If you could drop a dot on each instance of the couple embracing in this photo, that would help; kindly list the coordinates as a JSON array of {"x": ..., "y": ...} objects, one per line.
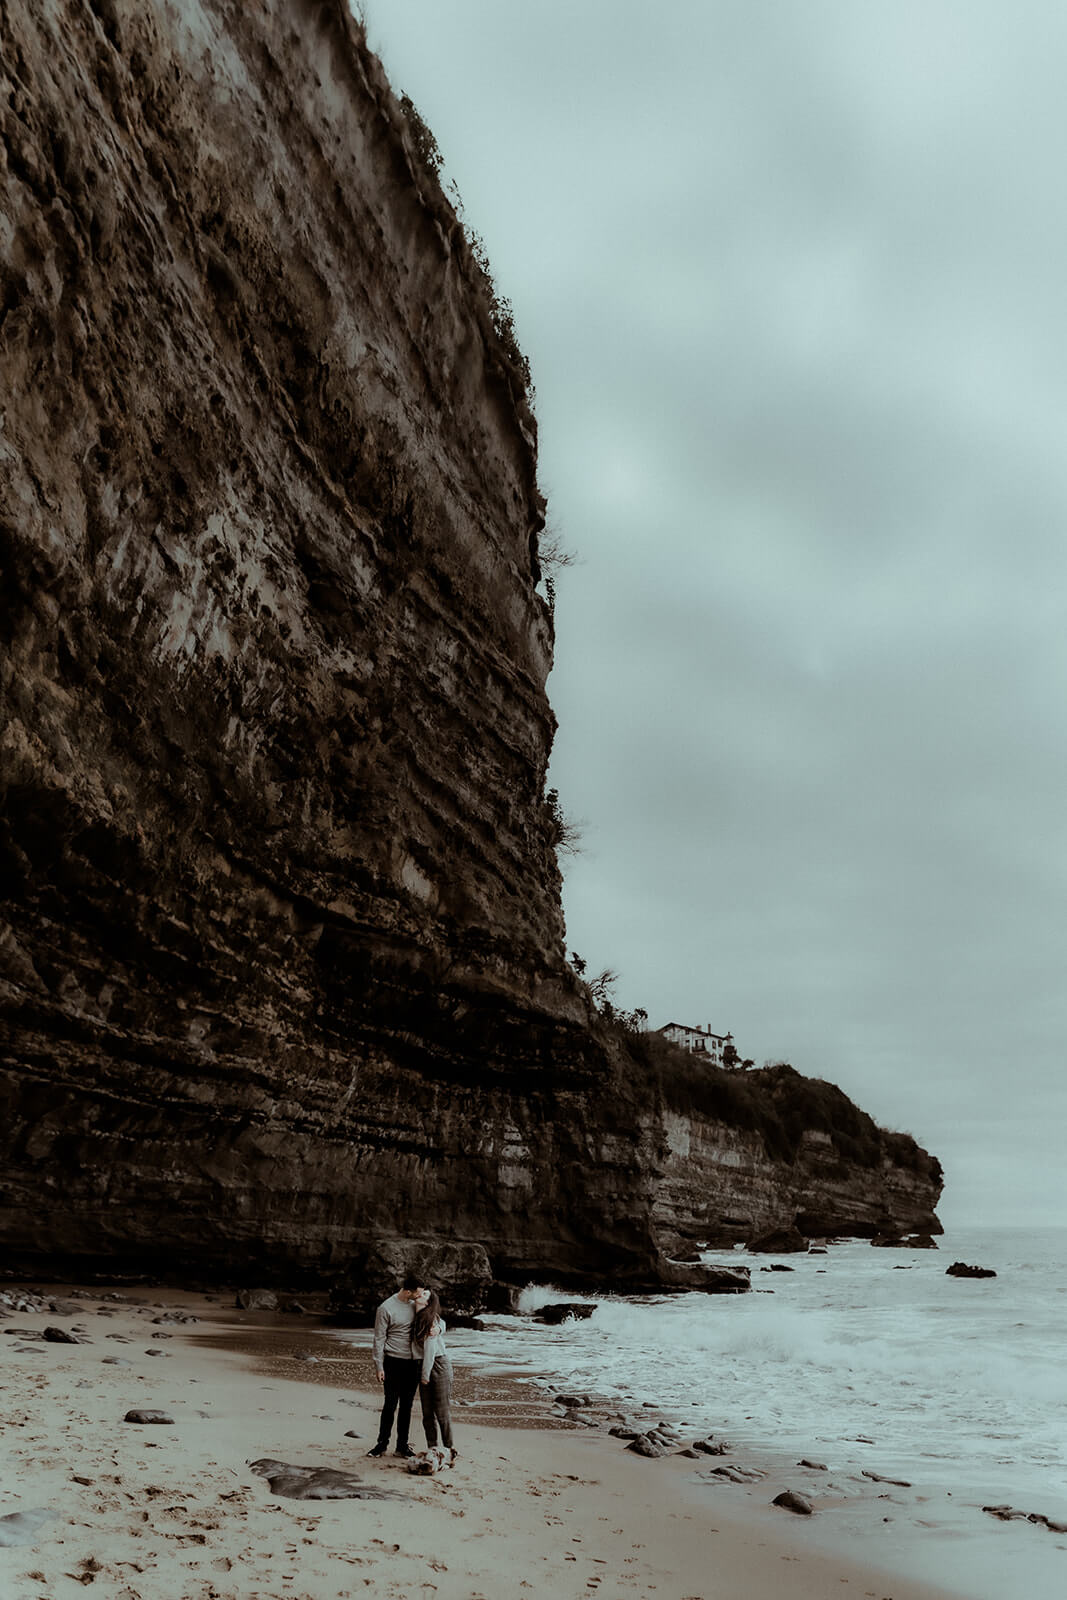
[{"x": 409, "y": 1354}]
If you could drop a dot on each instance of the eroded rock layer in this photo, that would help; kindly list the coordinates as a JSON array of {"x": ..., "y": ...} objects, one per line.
[{"x": 281, "y": 941}]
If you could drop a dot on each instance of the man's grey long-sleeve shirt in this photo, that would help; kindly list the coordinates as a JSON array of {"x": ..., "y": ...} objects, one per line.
[{"x": 392, "y": 1330}]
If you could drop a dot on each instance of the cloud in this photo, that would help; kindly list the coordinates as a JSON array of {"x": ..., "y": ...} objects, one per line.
[{"x": 791, "y": 284}]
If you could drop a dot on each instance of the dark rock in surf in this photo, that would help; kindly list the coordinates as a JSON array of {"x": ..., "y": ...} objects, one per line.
[
  {"x": 778, "y": 1241},
  {"x": 904, "y": 1241},
  {"x": 563, "y": 1310}
]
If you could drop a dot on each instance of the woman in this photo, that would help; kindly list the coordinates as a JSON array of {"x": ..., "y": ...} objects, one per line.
[{"x": 435, "y": 1387}]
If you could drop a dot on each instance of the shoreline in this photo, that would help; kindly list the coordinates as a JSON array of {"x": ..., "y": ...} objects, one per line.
[{"x": 172, "y": 1512}]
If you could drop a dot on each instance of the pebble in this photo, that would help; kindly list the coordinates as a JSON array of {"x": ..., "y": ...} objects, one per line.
[
  {"x": 1009, "y": 1514},
  {"x": 792, "y": 1500},
  {"x": 734, "y": 1474},
  {"x": 137, "y": 1415}
]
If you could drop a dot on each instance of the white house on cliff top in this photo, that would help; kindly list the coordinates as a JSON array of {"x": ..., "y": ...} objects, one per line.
[{"x": 700, "y": 1040}]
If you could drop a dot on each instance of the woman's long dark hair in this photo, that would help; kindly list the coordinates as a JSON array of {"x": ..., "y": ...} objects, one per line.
[{"x": 425, "y": 1319}]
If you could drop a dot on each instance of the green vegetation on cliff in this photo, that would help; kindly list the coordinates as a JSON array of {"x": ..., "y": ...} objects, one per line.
[{"x": 778, "y": 1103}]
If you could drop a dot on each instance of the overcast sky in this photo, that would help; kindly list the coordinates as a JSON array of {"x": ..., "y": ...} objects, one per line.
[{"x": 792, "y": 278}]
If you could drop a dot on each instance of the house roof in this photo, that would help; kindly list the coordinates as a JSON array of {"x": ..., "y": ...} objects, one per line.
[{"x": 685, "y": 1027}]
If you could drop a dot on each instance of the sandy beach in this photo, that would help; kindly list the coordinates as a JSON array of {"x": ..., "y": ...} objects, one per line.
[{"x": 173, "y": 1511}]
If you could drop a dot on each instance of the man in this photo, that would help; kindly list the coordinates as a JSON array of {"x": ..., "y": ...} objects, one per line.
[{"x": 398, "y": 1370}]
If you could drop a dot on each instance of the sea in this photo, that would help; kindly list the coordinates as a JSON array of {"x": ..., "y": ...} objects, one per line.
[{"x": 863, "y": 1359}]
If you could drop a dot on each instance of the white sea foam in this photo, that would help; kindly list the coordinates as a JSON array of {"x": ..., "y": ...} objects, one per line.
[{"x": 953, "y": 1379}]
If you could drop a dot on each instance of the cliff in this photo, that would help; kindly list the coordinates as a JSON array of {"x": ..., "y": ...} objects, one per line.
[
  {"x": 747, "y": 1153},
  {"x": 281, "y": 946}
]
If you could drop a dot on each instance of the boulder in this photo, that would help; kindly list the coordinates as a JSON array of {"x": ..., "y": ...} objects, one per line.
[
  {"x": 777, "y": 1242},
  {"x": 959, "y": 1269},
  {"x": 709, "y": 1280},
  {"x": 675, "y": 1248},
  {"x": 460, "y": 1273},
  {"x": 257, "y": 1300}
]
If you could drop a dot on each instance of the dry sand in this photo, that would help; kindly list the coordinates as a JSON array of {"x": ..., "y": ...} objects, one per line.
[{"x": 174, "y": 1513}]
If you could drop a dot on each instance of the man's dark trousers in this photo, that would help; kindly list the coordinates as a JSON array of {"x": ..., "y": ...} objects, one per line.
[{"x": 401, "y": 1384}]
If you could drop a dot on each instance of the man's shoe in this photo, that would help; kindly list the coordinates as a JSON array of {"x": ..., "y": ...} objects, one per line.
[
  {"x": 379, "y": 1450},
  {"x": 406, "y": 1450}
]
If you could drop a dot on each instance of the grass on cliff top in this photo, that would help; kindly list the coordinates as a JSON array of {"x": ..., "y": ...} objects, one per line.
[{"x": 778, "y": 1104}]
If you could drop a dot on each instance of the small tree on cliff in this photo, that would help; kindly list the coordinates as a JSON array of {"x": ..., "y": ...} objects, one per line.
[{"x": 564, "y": 834}]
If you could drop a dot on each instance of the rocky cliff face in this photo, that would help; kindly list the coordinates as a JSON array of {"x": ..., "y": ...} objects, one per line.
[
  {"x": 721, "y": 1186},
  {"x": 281, "y": 940}
]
